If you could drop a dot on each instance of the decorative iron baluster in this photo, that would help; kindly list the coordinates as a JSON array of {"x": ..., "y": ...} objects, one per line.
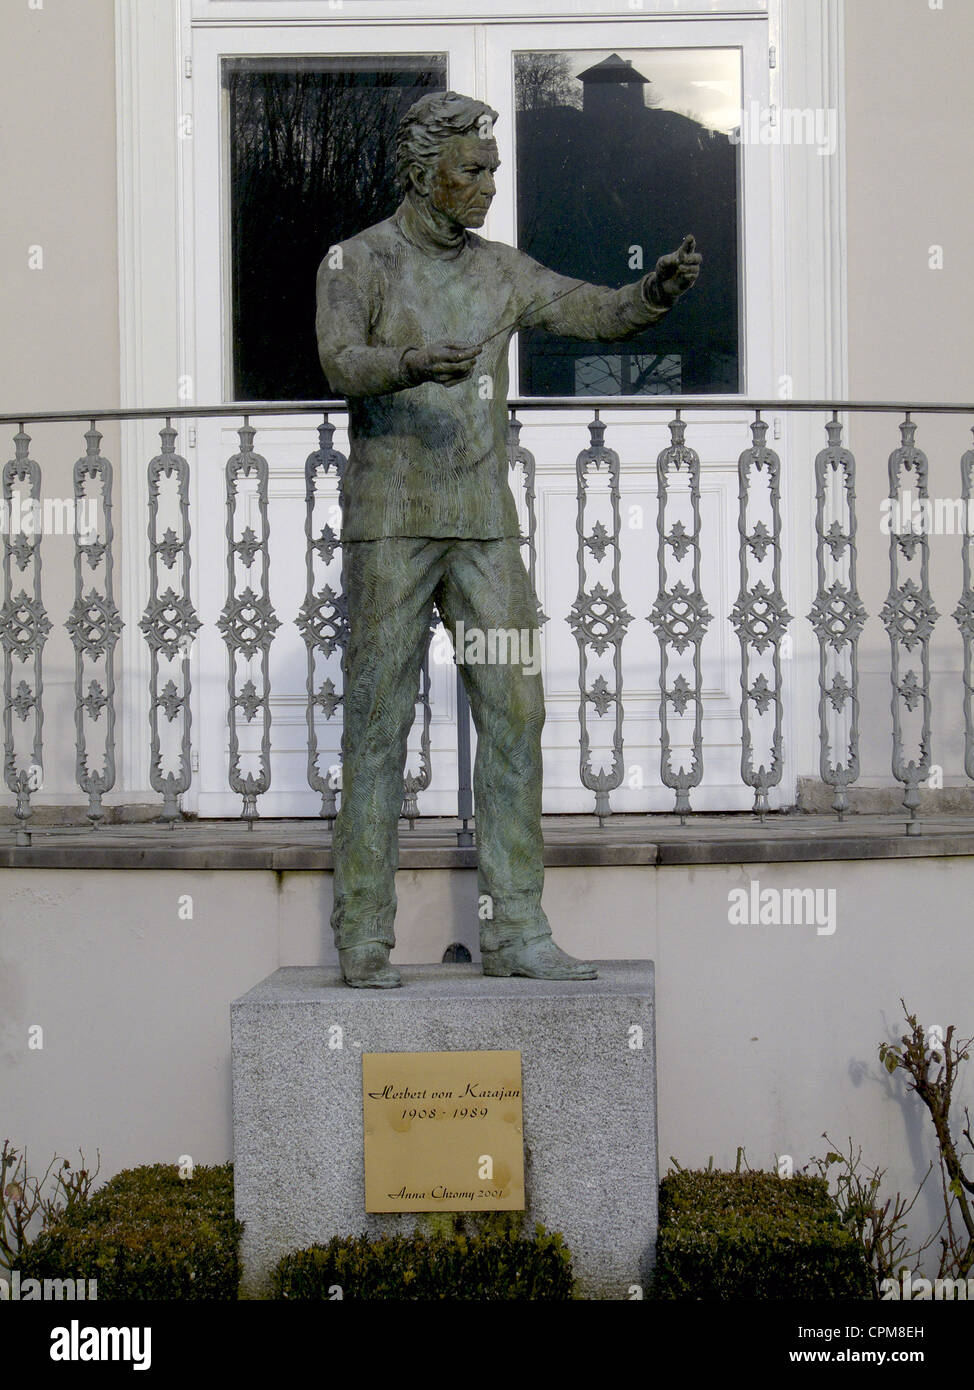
[
  {"x": 464, "y": 775},
  {"x": 170, "y": 625},
  {"x": 94, "y": 626},
  {"x": 24, "y": 626},
  {"x": 759, "y": 615},
  {"x": 517, "y": 454},
  {"x": 680, "y": 616},
  {"x": 599, "y": 619},
  {"x": 964, "y": 612},
  {"x": 323, "y": 619},
  {"x": 416, "y": 782},
  {"x": 248, "y": 623},
  {"x": 909, "y": 617},
  {"x": 837, "y": 615}
]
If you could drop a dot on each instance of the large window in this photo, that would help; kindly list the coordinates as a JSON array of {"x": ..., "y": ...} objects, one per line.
[
  {"x": 619, "y": 156},
  {"x": 312, "y": 162}
]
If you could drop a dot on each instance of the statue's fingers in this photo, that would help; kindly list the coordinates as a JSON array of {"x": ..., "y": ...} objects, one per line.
[{"x": 689, "y": 242}]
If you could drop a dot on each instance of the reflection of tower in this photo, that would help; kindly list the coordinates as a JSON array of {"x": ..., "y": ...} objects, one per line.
[{"x": 612, "y": 88}]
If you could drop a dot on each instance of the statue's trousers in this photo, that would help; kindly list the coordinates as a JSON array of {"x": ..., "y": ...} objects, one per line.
[{"x": 392, "y": 585}]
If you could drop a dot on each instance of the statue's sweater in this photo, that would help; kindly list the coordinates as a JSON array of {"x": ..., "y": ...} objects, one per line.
[{"x": 431, "y": 460}]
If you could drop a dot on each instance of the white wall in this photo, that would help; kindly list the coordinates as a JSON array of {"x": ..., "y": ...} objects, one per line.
[
  {"x": 908, "y": 138},
  {"x": 768, "y": 1036},
  {"x": 59, "y": 342}
]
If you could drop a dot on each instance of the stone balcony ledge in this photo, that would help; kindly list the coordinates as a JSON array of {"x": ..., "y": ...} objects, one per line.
[{"x": 294, "y": 846}]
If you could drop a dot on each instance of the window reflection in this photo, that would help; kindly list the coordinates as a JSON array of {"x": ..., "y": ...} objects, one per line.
[
  {"x": 312, "y": 161},
  {"x": 619, "y": 156}
]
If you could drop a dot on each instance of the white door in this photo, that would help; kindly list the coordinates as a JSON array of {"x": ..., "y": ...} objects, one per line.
[{"x": 731, "y": 69}]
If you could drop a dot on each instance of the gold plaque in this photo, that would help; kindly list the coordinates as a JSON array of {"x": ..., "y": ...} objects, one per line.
[{"x": 444, "y": 1131}]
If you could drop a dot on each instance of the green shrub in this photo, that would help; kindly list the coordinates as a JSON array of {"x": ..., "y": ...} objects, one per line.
[
  {"x": 147, "y": 1234},
  {"x": 417, "y": 1267},
  {"x": 754, "y": 1235}
]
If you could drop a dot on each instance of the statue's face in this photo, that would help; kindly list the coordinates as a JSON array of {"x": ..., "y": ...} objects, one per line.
[{"x": 461, "y": 185}]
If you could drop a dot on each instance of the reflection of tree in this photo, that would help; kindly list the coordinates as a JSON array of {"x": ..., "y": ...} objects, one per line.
[
  {"x": 659, "y": 367},
  {"x": 544, "y": 79},
  {"x": 628, "y": 374},
  {"x": 313, "y": 162}
]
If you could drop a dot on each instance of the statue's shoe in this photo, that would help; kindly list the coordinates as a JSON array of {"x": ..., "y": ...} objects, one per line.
[
  {"x": 540, "y": 959},
  {"x": 367, "y": 967}
]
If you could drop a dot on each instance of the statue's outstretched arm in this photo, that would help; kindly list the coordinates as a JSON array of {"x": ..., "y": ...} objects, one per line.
[{"x": 574, "y": 309}]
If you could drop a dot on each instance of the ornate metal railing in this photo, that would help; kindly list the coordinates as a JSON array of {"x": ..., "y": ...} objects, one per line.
[{"x": 599, "y": 619}]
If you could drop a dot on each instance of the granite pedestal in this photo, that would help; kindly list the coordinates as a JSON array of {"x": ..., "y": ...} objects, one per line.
[{"x": 589, "y": 1081}]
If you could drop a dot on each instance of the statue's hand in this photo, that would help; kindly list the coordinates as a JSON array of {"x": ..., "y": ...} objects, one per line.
[
  {"x": 446, "y": 363},
  {"x": 677, "y": 272}
]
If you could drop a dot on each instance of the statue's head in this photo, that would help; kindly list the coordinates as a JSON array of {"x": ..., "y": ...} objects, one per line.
[{"x": 446, "y": 152}]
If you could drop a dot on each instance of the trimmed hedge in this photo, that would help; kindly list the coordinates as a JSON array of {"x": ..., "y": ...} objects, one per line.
[
  {"x": 147, "y": 1234},
  {"x": 725, "y": 1236},
  {"x": 411, "y": 1268}
]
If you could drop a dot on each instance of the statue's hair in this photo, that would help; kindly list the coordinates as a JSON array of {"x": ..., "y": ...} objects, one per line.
[{"x": 430, "y": 122}]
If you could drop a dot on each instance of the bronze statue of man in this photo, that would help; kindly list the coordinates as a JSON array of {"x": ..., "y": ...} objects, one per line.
[{"x": 414, "y": 320}]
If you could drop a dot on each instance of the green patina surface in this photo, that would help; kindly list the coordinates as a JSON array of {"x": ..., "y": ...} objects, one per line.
[
  {"x": 415, "y": 316},
  {"x": 431, "y": 460}
]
